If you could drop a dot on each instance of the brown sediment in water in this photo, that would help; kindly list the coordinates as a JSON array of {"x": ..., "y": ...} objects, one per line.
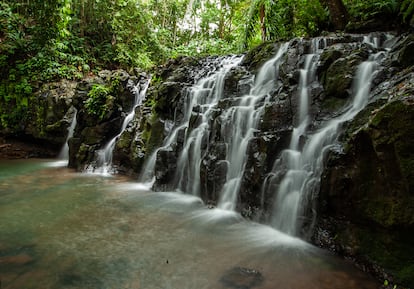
[{"x": 18, "y": 149}]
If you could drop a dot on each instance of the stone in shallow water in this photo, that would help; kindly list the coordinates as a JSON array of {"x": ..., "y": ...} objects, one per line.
[{"x": 241, "y": 278}]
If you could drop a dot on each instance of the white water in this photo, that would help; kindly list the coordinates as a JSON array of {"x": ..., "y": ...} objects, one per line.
[
  {"x": 304, "y": 166},
  {"x": 240, "y": 122},
  {"x": 205, "y": 94},
  {"x": 104, "y": 156},
  {"x": 64, "y": 152},
  {"x": 237, "y": 124}
]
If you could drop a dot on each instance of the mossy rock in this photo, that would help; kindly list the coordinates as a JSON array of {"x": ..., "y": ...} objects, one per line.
[
  {"x": 404, "y": 49},
  {"x": 392, "y": 126},
  {"x": 391, "y": 250},
  {"x": 256, "y": 57},
  {"x": 371, "y": 186},
  {"x": 338, "y": 79},
  {"x": 166, "y": 96},
  {"x": 326, "y": 59},
  {"x": 337, "y": 69}
]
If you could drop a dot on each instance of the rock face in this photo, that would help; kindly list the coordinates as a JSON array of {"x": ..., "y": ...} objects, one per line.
[
  {"x": 367, "y": 193},
  {"x": 44, "y": 131},
  {"x": 279, "y": 115},
  {"x": 101, "y": 102}
]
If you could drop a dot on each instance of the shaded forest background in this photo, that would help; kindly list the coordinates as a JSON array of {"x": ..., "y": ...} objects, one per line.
[{"x": 44, "y": 41}]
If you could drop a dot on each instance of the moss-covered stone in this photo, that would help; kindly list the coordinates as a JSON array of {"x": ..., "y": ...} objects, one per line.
[
  {"x": 404, "y": 48},
  {"x": 256, "y": 57},
  {"x": 337, "y": 67},
  {"x": 166, "y": 97}
]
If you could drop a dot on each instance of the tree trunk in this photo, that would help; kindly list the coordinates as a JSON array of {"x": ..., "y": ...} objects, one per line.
[
  {"x": 82, "y": 23},
  {"x": 262, "y": 21},
  {"x": 338, "y": 13}
]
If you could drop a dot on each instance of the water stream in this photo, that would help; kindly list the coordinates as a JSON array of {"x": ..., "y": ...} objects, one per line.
[
  {"x": 64, "y": 230},
  {"x": 303, "y": 163},
  {"x": 64, "y": 153},
  {"x": 204, "y": 95},
  {"x": 104, "y": 156},
  {"x": 296, "y": 173}
]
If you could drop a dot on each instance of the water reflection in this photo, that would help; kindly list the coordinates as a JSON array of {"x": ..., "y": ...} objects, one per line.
[{"x": 61, "y": 229}]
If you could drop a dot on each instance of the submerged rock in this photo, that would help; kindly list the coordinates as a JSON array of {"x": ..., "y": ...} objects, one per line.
[{"x": 242, "y": 278}]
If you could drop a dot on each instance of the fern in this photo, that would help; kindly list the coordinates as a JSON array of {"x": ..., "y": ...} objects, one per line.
[{"x": 407, "y": 11}]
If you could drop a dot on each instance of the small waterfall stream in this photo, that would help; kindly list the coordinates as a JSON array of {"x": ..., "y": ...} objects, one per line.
[
  {"x": 64, "y": 153},
  {"x": 290, "y": 187},
  {"x": 104, "y": 156}
]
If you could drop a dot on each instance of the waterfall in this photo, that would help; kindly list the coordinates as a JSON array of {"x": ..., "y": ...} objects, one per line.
[
  {"x": 303, "y": 164},
  {"x": 215, "y": 130},
  {"x": 64, "y": 153},
  {"x": 104, "y": 156},
  {"x": 202, "y": 96},
  {"x": 239, "y": 123}
]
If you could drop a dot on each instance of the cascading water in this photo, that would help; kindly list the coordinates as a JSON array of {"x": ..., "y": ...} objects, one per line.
[
  {"x": 104, "y": 156},
  {"x": 240, "y": 121},
  {"x": 211, "y": 118},
  {"x": 205, "y": 96},
  {"x": 64, "y": 153},
  {"x": 304, "y": 166},
  {"x": 237, "y": 124}
]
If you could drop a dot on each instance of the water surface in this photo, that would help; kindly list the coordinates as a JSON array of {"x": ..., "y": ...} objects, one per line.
[{"x": 61, "y": 229}]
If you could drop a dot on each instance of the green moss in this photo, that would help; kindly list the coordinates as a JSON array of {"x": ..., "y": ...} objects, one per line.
[
  {"x": 389, "y": 211},
  {"x": 406, "y": 274},
  {"x": 256, "y": 57},
  {"x": 390, "y": 249},
  {"x": 99, "y": 101},
  {"x": 333, "y": 104},
  {"x": 153, "y": 134},
  {"x": 392, "y": 125}
]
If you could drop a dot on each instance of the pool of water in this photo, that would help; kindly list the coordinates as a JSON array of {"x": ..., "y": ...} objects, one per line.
[{"x": 61, "y": 229}]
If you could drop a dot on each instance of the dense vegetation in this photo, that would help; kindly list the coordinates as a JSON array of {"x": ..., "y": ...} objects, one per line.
[{"x": 43, "y": 41}]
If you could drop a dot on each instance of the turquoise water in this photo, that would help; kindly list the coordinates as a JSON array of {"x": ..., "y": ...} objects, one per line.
[{"x": 61, "y": 229}]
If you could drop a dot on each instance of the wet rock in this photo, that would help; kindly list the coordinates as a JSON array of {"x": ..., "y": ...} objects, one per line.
[
  {"x": 166, "y": 168},
  {"x": 403, "y": 48},
  {"x": 232, "y": 87},
  {"x": 95, "y": 131},
  {"x": 367, "y": 190},
  {"x": 17, "y": 148},
  {"x": 338, "y": 77},
  {"x": 167, "y": 97},
  {"x": 256, "y": 57},
  {"x": 213, "y": 171},
  {"x": 45, "y": 123}
]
